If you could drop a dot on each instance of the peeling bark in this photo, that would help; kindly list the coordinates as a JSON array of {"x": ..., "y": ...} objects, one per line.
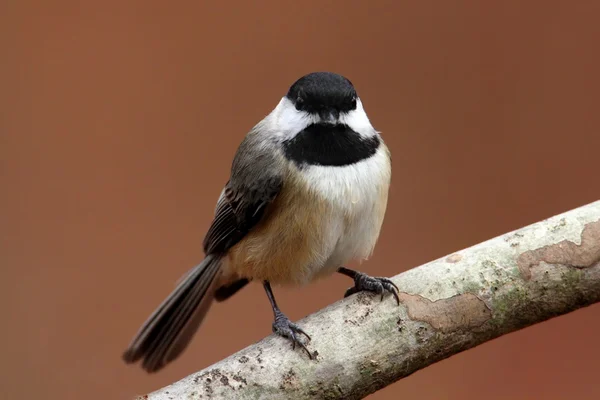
[{"x": 447, "y": 306}]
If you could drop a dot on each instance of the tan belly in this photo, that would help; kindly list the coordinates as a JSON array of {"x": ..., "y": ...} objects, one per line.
[
  {"x": 287, "y": 244},
  {"x": 318, "y": 223}
]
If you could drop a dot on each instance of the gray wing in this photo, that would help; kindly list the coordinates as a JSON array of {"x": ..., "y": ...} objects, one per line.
[{"x": 256, "y": 180}]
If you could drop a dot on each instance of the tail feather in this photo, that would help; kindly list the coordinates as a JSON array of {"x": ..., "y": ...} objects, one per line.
[{"x": 168, "y": 331}]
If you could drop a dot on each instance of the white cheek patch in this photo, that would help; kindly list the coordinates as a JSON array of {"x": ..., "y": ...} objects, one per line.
[
  {"x": 358, "y": 121},
  {"x": 288, "y": 121}
]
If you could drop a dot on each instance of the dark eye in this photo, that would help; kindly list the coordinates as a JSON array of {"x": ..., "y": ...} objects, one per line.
[
  {"x": 299, "y": 103},
  {"x": 353, "y": 103}
]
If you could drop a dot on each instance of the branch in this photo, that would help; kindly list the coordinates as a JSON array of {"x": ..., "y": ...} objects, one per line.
[{"x": 449, "y": 305}]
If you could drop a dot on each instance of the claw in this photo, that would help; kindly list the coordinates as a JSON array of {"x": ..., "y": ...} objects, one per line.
[
  {"x": 285, "y": 328},
  {"x": 378, "y": 285},
  {"x": 300, "y": 330}
]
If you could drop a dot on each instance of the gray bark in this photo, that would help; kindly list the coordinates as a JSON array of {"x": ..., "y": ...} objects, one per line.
[{"x": 447, "y": 306}]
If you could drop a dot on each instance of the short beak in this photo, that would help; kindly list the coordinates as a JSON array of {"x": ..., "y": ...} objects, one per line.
[{"x": 329, "y": 115}]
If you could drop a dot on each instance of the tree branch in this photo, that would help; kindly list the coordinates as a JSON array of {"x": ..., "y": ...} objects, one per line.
[{"x": 449, "y": 305}]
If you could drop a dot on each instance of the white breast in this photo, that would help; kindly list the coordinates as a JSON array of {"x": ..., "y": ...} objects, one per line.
[{"x": 357, "y": 195}]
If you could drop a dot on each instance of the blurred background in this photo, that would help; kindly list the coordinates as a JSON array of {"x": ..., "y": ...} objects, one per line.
[{"x": 119, "y": 120}]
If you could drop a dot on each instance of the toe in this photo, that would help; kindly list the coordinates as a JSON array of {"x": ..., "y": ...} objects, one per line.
[
  {"x": 351, "y": 291},
  {"x": 292, "y": 336},
  {"x": 390, "y": 283},
  {"x": 300, "y": 330},
  {"x": 377, "y": 285},
  {"x": 394, "y": 292},
  {"x": 285, "y": 328},
  {"x": 310, "y": 355},
  {"x": 393, "y": 289}
]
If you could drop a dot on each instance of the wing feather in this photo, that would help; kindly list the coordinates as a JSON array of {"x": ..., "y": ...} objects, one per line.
[{"x": 256, "y": 180}]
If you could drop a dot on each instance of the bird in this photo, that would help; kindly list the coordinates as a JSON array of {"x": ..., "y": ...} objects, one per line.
[{"x": 307, "y": 194}]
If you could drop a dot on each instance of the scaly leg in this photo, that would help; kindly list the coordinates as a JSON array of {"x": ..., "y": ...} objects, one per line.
[{"x": 282, "y": 326}]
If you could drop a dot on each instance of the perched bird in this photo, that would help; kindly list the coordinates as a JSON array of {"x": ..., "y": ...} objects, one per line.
[{"x": 307, "y": 194}]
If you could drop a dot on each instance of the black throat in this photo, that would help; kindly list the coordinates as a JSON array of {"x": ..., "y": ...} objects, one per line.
[{"x": 329, "y": 145}]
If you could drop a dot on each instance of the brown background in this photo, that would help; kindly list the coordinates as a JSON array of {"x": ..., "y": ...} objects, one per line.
[{"x": 119, "y": 122}]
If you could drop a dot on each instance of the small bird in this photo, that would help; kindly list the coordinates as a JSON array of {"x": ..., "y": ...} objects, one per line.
[{"x": 307, "y": 194}]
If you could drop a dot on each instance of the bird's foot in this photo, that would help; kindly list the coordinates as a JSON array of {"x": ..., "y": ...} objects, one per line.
[
  {"x": 284, "y": 327},
  {"x": 378, "y": 285}
]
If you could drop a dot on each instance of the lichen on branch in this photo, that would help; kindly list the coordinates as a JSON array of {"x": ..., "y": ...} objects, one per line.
[{"x": 447, "y": 306}]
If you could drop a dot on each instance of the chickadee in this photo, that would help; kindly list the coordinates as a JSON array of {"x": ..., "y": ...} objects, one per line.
[{"x": 307, "y": 194}]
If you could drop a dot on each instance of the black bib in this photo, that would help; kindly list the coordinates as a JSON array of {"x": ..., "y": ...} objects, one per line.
[{"x": 329, "y": 145}]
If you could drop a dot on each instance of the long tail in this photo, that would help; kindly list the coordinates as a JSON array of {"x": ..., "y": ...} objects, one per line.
[{"x": 172, "y": 325}]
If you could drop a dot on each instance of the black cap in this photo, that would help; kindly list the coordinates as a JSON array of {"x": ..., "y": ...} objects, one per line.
[{"x": 323, "y": 93}]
